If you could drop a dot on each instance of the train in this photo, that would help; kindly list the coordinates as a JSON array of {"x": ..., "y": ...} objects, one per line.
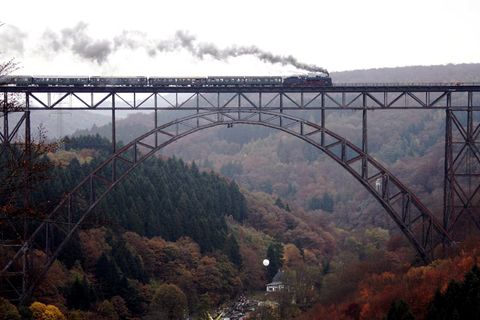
[{"x": 310, "y": 80}]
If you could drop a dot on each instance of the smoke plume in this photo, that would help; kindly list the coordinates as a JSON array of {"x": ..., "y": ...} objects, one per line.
[
  {"x": 11, "y": 40},
  {"x": 78, "y": 41}
]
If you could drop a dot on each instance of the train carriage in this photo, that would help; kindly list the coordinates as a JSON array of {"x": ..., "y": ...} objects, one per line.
[
  {"x": 16, "y": 80},
  {"x": 161, "y": 81},
  {"x": 118, "y": 81},
  {"x": 188, "y": 82},
  {"x": 45, "y": 80},
  {"x": 225, "y": 81},
  {"x": 264, "y": 81},
  {"x": 74, "y": 81},
  {"x": 61, "y": 81},
  {"x": 216, "y": 81}
]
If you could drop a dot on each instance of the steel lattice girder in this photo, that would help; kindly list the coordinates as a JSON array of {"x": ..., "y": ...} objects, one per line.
[
  {"x": 417, "y": 223},
  {"x": 210, "y": 98}
]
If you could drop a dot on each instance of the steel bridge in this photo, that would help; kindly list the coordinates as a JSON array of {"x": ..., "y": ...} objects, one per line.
[{"x": 272, "y": 107}]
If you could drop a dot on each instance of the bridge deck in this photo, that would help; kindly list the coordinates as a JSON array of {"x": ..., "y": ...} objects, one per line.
[
  {"x": 339, "y": 96},
  {"x": 354, "y": 87}
]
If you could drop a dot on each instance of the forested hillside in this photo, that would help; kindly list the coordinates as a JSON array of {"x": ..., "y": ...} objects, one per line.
[
  {"x": 170, "y": 231},
  {"x": 163, "y": 198},
  {"x": 468, "y": 72}
]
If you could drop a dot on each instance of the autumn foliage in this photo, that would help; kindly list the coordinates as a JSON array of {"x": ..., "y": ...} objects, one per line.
[
  {"x": 41, "y": 311},
  {"x": 416, "y": 286}
]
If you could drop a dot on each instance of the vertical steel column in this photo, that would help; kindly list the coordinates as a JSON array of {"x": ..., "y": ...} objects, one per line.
[
  {"x": 26, "y": 200},
  {"x": 155, "y": 121},
  {"x": 5, "y": 120},
  {"x": 364, "y": 137},
  {"x": 281, "y": 108},
  {"x": 197, "y": 98},
  {"x": 239, "y": 104},
  {"x": 322, "y": 134},
  {"x": 281, "y": 102},
  {"x": 470, "y": 143},
  {"x": 447, "y": 184},
  {"x": 27, "y": 124},
  {"x": 114, "y": 139},
  {"x": 114, "y": 133}
]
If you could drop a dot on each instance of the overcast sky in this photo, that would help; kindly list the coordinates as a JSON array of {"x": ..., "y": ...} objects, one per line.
[{"x": 145, "y": 37}]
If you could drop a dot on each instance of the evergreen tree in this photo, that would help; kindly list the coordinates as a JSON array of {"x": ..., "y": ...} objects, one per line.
[
  {"x": 72, "y": 252},
  {"x": 279, "y": 203},
  {"x": 324, "y": 203},
  {"x": 133, "y": 298},
  {"x": 461, "y": 300},
  {"x": 108, "y": 276},
  {"x": 327, "y": 202},
  {"x": 275, "y": 256},
  {"x": 399, "y": 310},
  {"x": 80, "y": 294},
  {"x": 129, "y": 264},
  {"x": 232, "y": 250}
]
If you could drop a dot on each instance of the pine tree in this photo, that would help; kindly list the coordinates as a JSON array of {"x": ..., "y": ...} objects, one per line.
[
  {"x": 108, "y": 276},
  {"x": 275, "y": 256},
  {"x": 232, "y": 250},
  {"x": 461, "y": 300},
  {"x": 128, "y": 263},
  {"x": 80, "y": 294},
  {"x": 399, "y": 310},
  {"x": 279, "y": 203}
]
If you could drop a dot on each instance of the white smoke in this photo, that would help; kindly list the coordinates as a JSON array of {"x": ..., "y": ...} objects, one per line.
[{"x": 11, "y": 40}]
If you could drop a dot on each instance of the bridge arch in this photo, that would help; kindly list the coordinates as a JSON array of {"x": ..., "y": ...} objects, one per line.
[{"x": 417, "y": 223}]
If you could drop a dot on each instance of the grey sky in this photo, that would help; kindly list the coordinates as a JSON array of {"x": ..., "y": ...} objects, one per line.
[{"x": 67, "y": 37}]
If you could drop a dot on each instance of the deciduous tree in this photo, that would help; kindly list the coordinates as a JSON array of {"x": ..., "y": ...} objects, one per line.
[
  {"x": 8, "y": 311},
  {"x": 169, "y": 303}
]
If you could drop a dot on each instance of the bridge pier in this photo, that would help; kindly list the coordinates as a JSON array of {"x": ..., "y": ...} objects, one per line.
[
  {"x": 462, "y": 170},
  {"x": 15, "y": 169}
]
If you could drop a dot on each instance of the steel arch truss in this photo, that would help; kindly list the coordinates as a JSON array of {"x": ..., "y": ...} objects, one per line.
[{"x": 417, "y": 223}]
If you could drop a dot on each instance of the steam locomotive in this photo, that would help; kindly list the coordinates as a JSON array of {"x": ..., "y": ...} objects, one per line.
[{"x": 313, "y": 80}]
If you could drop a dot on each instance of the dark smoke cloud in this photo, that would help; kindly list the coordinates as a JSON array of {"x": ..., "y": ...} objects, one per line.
[
  {"x": 79, "y": 42},
  {"x": 11, "y": 40}
]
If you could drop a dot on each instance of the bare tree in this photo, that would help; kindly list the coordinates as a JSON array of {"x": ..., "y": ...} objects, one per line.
[{"x": 23, "y": 167}]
